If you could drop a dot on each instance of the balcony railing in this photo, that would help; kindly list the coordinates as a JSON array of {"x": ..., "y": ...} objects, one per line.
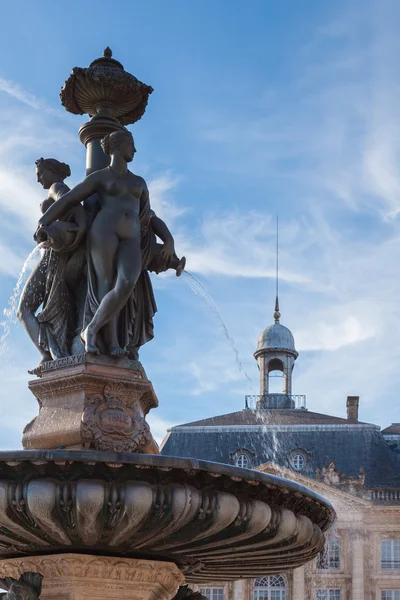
[
  {"x": 274, "y": 400},
  {"x": 386, "y": 495}
]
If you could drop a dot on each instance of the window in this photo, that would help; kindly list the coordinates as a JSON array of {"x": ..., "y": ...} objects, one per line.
[
  {"x": 270, "y": 588},
  {"x": 298, "y": 462},
  {"x": 329, "y": 557},
  {"x": 329, "y": 594},
  {"x": 242, "y": 460},
  {"x": 390, "y": 595},
  {"x": 390, "y": 554},
  {"x": 213, "y": 593}
]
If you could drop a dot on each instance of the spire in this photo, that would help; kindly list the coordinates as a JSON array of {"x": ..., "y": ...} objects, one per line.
[
  {"x": 277, "y": 314},
  {"x": 276, "y": 352}
]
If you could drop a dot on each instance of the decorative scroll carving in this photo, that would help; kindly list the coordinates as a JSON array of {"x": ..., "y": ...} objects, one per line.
[{"x": 332, "y": 476}]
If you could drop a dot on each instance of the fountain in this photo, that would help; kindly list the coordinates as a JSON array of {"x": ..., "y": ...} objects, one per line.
[{"x": 89, "y": 508}]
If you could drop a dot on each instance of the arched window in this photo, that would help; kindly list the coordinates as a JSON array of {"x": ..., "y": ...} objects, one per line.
[
  {"x": 272, "y": 587},
  {"x": 242, "y": 460},
  {"x": 275, "y": 376}
]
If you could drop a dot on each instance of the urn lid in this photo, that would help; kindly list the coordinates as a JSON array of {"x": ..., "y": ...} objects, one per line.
[{"x": 107, "y": 61}]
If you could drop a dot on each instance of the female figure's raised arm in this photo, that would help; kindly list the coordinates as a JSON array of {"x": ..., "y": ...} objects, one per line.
[{"x": 79, "y": 193}]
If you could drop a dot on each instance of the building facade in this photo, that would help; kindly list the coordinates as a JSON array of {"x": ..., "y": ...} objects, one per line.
[{"x": 353, "y": 464}]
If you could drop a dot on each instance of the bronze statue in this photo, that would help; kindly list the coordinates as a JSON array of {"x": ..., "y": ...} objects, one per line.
[
  {"x": 186, "y": 593},
  {"x": 27, "y": 587},
  {"x": 121, "y": 248},
  {"x": 54, "y": 279}
]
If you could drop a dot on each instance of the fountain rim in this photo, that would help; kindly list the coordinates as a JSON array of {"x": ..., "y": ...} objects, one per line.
[{"x": 117, "y": 459}]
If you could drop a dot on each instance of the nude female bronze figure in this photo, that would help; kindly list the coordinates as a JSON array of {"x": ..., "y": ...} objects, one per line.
[
  {"x": 51, "y": 283},
  {"x": 120, "y": 303}
]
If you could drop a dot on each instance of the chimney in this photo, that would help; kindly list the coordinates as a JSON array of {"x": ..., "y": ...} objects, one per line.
[{"x": 352, "y": 407}]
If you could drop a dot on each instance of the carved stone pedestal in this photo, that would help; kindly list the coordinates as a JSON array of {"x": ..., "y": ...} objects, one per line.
[
  {"x": 88, "y": 577},
  {"x": 92, "y": 402}
]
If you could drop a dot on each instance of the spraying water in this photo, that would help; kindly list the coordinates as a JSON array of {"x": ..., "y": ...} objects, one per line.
[
  {"x": 10, "y": 313},
  {"x": 200, "y": 290}
]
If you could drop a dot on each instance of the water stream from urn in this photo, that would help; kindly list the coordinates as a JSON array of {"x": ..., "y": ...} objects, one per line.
[
  {"x": 198, "y": 288},
  {"x": 10, "y": 313}
]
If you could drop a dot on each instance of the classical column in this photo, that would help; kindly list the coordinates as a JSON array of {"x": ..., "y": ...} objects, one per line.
[
  {"x": 263, "y": 377},
  {"x": 90, "y": 134},
  {"x": 298, "y": 584},
  {"x": 357, "y": 585}
]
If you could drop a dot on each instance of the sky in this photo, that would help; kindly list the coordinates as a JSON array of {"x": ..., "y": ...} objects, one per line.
[{"x": 259, "y": 109}]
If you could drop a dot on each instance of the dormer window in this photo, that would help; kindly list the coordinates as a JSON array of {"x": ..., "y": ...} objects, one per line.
[
  {"x": 242, "y": 460},
  {"x": 297, "y": 459},
  {"x": 298, "y": 462},
  {"x": 243, "y": 457}
]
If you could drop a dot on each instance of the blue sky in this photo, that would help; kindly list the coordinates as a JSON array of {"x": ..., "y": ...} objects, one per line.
[{"x": 259, "y": 108}]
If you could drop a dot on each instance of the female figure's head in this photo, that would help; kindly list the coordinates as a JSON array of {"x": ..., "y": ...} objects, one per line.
[
  {"x": 119, "y": 141},
  {"x": 51, "y": 170}
]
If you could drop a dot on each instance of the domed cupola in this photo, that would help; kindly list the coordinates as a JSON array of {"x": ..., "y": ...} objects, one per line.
[
  {"x": 274, "y": 337},
  {"x": 276, "y": 352}
]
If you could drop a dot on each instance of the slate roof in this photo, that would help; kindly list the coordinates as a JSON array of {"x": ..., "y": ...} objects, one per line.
[
  {"x": 393, "y": 429},
  {"x": 320, "y": 438},
  {"x": 271, "y": 416}
]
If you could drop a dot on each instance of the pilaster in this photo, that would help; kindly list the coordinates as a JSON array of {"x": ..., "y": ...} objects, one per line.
[
  {"x": 298, "y": 584},
  {"x": 357, "y": 591}
]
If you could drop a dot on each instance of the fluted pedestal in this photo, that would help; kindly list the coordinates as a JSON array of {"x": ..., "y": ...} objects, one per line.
[{"x": 88, "y": 577}]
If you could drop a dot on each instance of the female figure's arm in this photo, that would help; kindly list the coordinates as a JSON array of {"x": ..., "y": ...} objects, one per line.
[
  {"x": 144, "y": 197},
  {"x": 161, "y": 230},
  {"x": 79, "y": 193}
]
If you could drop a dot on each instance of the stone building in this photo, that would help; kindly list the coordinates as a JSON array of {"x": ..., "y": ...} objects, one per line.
[{"x": 353, "y": 464}]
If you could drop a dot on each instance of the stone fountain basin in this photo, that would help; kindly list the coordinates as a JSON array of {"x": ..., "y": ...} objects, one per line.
[{"x": 214, "y": 521}]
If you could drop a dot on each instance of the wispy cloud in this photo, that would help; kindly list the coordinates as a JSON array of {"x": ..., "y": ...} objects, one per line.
[
  {"x": 16, "y": 91},
  {"x": 161, "y": 189},
  {"x": 333, "y": 159},
  {"x": 11, "y": 260},
  {"x": 27, "y": 134},
  {"x": 340, "y": 140}
]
